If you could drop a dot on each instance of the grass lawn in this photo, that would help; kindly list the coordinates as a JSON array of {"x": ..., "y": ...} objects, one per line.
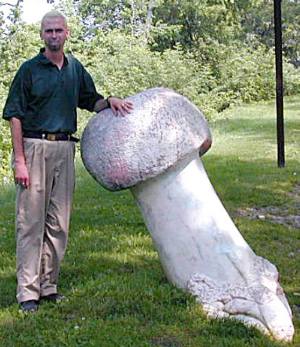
[{"x": 117, "y": 292}]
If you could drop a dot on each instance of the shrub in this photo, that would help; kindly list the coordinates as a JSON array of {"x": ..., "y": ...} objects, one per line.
[{"x": 213, "y": 76}]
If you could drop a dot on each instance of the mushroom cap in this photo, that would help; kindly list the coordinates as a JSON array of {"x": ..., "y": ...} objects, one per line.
[{"x": 163, "y": 128}]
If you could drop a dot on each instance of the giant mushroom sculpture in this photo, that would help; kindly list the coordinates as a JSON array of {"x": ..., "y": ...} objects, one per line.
[{"x": 154, "y": 151}]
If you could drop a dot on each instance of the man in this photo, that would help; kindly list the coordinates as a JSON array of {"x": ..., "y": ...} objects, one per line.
[{"x": 41, "y": 107}]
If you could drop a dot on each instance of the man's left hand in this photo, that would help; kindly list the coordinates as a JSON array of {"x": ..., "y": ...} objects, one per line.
[{"x": 120, "y": 106}]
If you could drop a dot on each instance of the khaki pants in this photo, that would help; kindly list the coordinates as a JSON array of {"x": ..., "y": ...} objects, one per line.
[{"x": 42, "y": 216}]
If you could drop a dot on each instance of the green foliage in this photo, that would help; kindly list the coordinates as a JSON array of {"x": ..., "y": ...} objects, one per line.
[
  {"x": 249, "y": 73},
  {"x": 5, "y": 147},
  {"x": 217, "y": 53},
  {"x": 291, "y": 79},
  {"x": 122, "y": 65},
  {"x": 194, "y": 21},
  {"x": 20, "y": 43},
  {"x": 257, "y": 22}
]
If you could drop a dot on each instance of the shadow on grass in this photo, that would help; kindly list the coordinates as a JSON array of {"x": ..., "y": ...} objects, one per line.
[{"x": 8, "y": 290}]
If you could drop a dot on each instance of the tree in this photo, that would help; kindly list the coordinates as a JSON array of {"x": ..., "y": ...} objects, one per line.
[
  {"x": 16, "y": 43},
  {"x": 258, "y": 25}
]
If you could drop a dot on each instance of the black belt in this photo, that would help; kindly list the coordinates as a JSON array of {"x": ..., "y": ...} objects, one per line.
[{"x": 50, "y": 136}]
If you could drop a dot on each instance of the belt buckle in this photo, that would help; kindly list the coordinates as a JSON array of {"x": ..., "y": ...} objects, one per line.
[{"x": 51, "y": 137}]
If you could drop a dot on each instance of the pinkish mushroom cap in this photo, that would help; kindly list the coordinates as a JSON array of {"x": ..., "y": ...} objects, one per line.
[{"x": 164, "y": 127}]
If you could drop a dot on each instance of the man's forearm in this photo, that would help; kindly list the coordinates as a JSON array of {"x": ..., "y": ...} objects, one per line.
[
  {"x": 101, "y": 105},
  {"x": 21, "y": 171},
  {"x": 17, "y": 140},
  {"x": 118, "y": 106}
]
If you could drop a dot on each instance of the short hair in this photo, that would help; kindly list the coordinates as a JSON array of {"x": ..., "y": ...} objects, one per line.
[{"x": 53, "y": 14}]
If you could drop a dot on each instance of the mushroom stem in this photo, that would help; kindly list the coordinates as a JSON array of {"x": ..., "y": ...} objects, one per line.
[{"x": 202, "y": 251}]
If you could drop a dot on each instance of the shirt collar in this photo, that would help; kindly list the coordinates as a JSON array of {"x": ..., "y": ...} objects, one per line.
[{"x": 44, "y": 60}]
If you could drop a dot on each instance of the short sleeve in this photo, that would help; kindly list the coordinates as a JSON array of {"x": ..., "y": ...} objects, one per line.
[
  {"x": 16, "y": 103},
  {"x": 87, "y": 93}
]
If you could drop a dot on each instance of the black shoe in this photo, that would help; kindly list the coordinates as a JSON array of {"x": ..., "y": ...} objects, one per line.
[
  {"x": 55, "y": 298},
  {"x": 29, "y": 306}
]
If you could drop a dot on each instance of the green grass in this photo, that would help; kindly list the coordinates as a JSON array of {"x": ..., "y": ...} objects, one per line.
[{"x": 118, "y": 294}]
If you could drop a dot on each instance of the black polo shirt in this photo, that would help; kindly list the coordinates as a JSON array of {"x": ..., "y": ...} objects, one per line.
[{"x": 45, "y": 98}]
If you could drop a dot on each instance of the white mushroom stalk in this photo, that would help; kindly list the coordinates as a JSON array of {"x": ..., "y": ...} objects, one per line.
[{"x": 154, "y": 151}]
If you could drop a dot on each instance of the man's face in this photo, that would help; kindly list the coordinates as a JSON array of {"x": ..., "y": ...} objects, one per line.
[{"x": 54, "y": 33}]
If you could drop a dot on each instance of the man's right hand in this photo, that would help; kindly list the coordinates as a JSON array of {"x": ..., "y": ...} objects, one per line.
[
  {"x": 21, "y": 175},
  {"x": 21, "y": 171}
]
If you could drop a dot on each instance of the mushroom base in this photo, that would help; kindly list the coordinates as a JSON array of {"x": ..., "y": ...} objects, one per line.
[{"x": 202, "y": 251}]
